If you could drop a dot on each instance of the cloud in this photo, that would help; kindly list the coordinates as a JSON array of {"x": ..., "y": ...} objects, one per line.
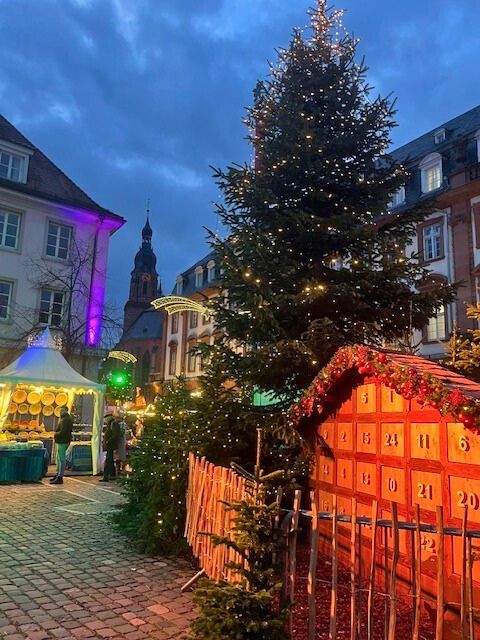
[
  {"x": 175, "y": 174},
  {"x": 135, "y": 99},
  {"x": 66, "y": 112}
]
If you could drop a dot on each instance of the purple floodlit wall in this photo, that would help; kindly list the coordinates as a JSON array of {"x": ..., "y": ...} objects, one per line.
[
  {"x": 96, "y": 301},
  {"x": 96, "y": 229}
]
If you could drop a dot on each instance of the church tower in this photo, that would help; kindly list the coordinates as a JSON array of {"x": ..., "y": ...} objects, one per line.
[{"x": 144, "y": 285}]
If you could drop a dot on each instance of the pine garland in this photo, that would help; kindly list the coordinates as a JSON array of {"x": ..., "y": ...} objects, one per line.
[{"x": 408, "y": 382}]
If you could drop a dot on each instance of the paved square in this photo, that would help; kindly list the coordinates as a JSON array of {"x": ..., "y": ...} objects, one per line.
[{"x": 65, "y": 573}]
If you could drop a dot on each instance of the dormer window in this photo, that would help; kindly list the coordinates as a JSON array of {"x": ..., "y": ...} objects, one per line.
[
  {"x": 397, "y": 198},
  {"x": 439, "y": 136},
  {"x": 179, "y": 286},
  {"x": 431, "y": 170},
  {"x": 10, "y": 166},
  {"x": 477, "y": 140},
  {"x": 335, "y": 263},
  {"x": 198, "y": 277},
  {"x": 13, "y": 162},
  {"x": 211, "y": 272}
]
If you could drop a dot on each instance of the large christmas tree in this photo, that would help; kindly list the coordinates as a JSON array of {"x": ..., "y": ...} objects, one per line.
[{"x": 313, "y": 259}]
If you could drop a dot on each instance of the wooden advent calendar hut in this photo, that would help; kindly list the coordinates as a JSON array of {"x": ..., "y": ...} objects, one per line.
[{"x": 392, "y": 427}]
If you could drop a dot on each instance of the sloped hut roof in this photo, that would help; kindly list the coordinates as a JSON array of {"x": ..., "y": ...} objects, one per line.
[
  {"x": 43, "y": 364},
  {"x": 410, "y": 376}
]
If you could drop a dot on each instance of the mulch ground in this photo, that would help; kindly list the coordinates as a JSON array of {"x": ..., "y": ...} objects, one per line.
[{"x": 300, "y": 613}]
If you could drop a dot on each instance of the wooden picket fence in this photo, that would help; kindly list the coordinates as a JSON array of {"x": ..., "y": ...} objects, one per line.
[
  {"x": 380, "y": 573},
  {"x": 209, "y": 488}
]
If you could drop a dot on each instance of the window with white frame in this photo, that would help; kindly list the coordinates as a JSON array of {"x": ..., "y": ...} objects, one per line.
[
  {"x": 191, "y": 359},
  {"x": 432, "y": 241},
  {"x": 439, "y": 136},
  {"x": 179, "y": 286},
  {"x": 6, "y": 292},
  {"x": 58, "y": 240},
  {"x": 211, "y": 272},
  {"x": 51, "y": 307},
  {"x": 172, "y": 363},
  {"x": 175, "y": 323},
  {"x": 397, "y": 198},
  {"x": 431, "y": 172},
  {"x": 477, "y": 140},
  {"x": 193, "y": 319},
  {"x": 335, "y": 263},
  {"x": 9, "y": 229},
  {"x": 436, "y": 327},
  {"x": 198, "y": 277},
  {"x": 11, "y": 166}
]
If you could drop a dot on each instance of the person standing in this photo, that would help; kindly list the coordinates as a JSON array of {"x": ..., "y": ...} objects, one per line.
[
  {"x": 62, "y": 437},
  {"x": 121, "y": 450},
  {"x": 111, "y": 437}
]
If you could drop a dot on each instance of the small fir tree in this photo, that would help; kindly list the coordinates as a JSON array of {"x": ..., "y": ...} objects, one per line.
[
  {"x": 249, "y": 609},
  {"x": 207, "y": 423},
  {"x": 155, "y": 488}
]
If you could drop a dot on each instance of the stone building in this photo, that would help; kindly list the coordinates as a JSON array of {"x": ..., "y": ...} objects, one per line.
[
  {"x": 183, "y": 331},
  {"x": 445, "y": 163},
  {"x": 54, "y": 243}
]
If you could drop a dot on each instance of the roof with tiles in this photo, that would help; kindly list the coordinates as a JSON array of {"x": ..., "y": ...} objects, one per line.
[
  {"x": 148, "y": 326},
  {"x": 189, "y": 280},
  {"x": 458, "y": 127},
  {"x": 450, "y": 379},
  {"x": 45, "y": 180}
]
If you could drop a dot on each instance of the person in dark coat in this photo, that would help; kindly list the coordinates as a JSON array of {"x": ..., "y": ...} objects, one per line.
[
  {"x": 111, "y": 439},
  {"x": 62, "y": 437}
]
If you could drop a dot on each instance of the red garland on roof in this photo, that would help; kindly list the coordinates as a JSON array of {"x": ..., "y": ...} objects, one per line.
[{"x": 408, "y": 382}]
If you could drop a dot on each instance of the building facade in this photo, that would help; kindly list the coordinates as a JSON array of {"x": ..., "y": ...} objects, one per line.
[
  {"x": 183, "y": 331},
  {"x": 54, "y": 243},
  {"x": 143, "y": 325},
  {"x": 445, "y": 163}
]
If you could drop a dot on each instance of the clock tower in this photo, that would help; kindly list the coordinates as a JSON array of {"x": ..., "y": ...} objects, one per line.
[{"x": 144, "y": 284}]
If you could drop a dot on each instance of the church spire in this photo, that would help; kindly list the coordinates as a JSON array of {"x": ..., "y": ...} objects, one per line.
[
  {"x": 147, "y": 230},
  {"x": 144, "y": 284}
]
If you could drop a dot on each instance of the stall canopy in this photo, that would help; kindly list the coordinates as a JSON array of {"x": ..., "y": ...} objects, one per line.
[{"x": 42, "y": 365}]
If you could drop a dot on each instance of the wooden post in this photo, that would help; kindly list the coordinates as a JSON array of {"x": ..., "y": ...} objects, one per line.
[
  {"x": 440, "y": 574},
  {"x": 359, "y": 583},
  {"x": 285, "y": 526},
  {"x": 353, "y": 586},
  {"x": 463, "y": 578},
  {"x": 193, "y": 580},
  {"x": 292, "y": 550},
  {"x": 386, "y": 584},
  {"x": 332, "y": 633},
  {"x": 371, "y": 582},
  {"x": 470, "y": 589},
  {"x": 259, "y": 452},
  {"x": 417, "y": 583},
  {"x": 393, "y": 582},
  {"x": 312, "y": 569},
  {"x": 276, "y": 522}
]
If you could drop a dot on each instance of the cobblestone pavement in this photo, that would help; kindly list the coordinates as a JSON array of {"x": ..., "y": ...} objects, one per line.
[{"x": 64, "y": 573}]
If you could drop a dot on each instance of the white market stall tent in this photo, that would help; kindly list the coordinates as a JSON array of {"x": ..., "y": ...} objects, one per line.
[{"x": 42, "y": 368}]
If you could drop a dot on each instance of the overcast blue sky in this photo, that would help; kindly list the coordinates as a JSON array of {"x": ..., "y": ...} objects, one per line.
[{"x": 134, "y": 99}]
